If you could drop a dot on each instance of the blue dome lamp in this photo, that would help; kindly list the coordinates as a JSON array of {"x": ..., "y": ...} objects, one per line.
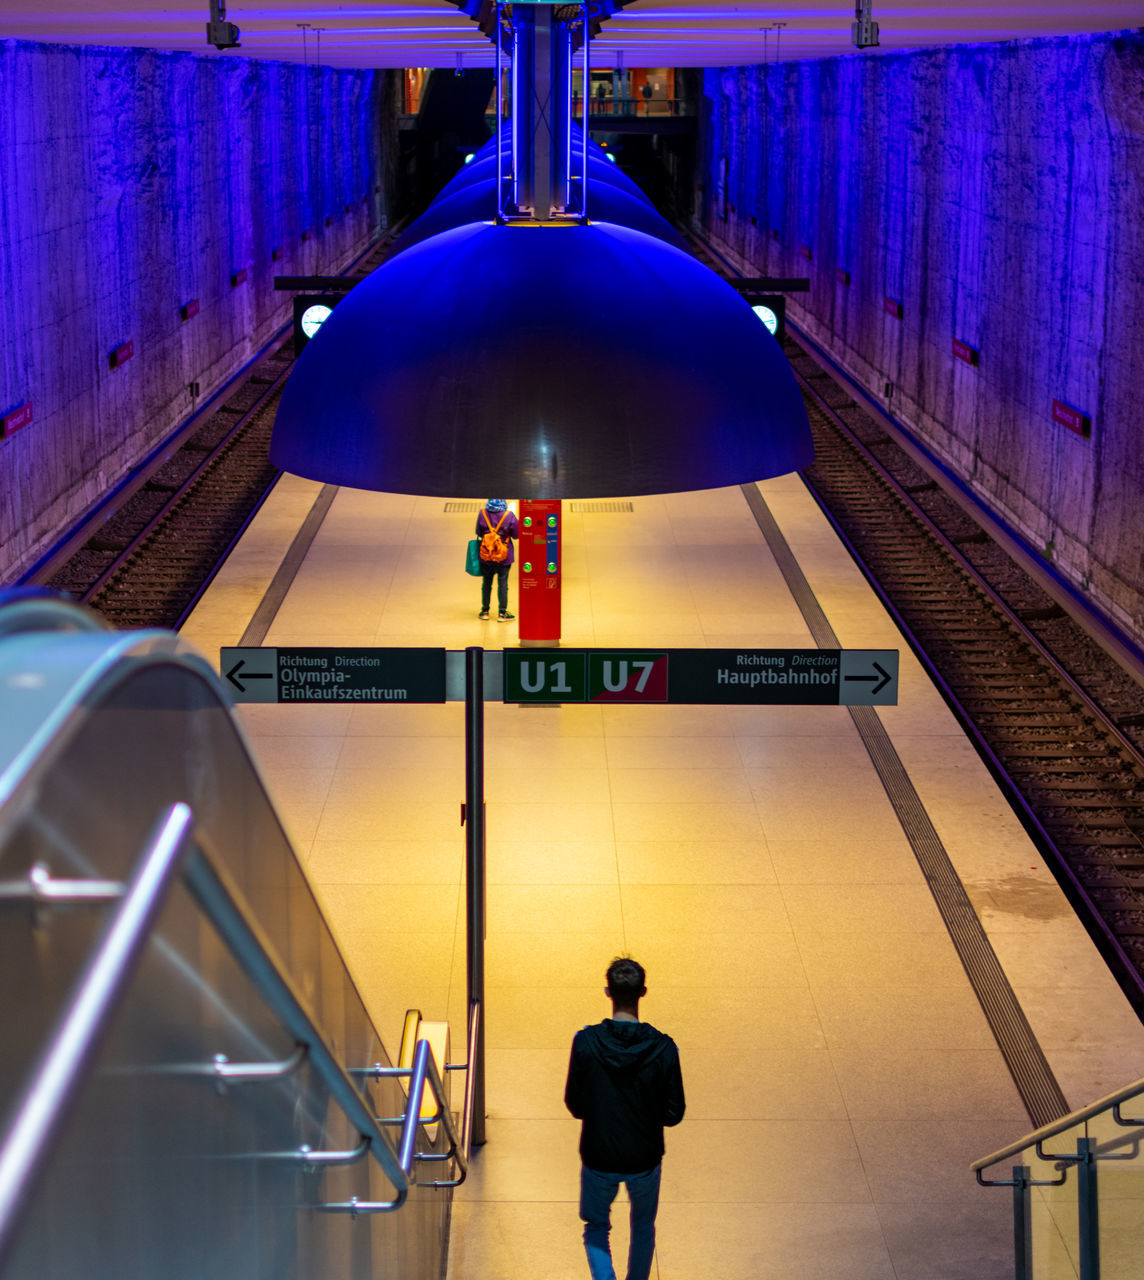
[{"x": 542, "y": 352}]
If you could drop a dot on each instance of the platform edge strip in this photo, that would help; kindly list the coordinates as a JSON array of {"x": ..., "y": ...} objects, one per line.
[{"x": 1036, "y": 1084}]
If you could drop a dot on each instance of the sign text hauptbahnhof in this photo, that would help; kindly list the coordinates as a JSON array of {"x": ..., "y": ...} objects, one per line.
[{"x": 776, "y": 677}]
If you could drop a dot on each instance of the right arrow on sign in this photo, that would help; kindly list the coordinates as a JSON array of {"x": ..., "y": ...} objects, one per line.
[{"x": 879, "y": 681}]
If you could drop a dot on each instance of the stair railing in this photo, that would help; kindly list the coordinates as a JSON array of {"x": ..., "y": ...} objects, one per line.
[
  {"x": 1065, "y": 1217},
  {"x": 173, "y": 851}
]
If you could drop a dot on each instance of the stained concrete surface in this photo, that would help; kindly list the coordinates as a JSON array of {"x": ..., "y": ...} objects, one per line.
[
  {"x": 994, "y": 191},
  {"x": 131, "y": 183}
]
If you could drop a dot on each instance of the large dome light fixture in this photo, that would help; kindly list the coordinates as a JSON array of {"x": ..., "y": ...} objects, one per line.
[
  {"x": 549, "y": 361},
  {"x": 542, "y": 344}
]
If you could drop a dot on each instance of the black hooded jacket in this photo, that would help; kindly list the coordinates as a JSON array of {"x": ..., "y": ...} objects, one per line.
[{"x": 624, "y": 1083}]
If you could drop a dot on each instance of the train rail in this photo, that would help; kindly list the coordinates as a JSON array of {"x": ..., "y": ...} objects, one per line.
[
  {"x": 150, "y": 561},
  {"x": 1057, "y": 720},
  {"x": 1054, "y": 717}
]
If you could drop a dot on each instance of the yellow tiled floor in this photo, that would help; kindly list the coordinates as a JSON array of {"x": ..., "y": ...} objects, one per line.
[{"x": 839, "y": 1071}]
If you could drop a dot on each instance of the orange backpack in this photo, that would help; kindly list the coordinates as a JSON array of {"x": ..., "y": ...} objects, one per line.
[{"x": 494, "y": 549}]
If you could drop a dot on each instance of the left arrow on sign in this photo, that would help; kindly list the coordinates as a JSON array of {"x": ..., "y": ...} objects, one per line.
[{"x": 237, "y": 670}]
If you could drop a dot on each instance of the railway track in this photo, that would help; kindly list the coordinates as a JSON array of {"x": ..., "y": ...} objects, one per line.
[
  {"x": 1060, "y": 724},
  {"x": 150, "y": 561},
  {"x": 1055, "y": 718}
]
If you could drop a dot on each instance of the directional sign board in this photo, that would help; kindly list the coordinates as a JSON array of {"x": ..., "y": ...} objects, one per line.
[
  {"x": 334, "y": 675},
  {"x": 822, "y": 677}
]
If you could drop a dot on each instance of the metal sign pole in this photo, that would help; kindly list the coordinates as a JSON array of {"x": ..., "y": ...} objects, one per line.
[
  {"x": 500, "y": 120},
  {"x": 586, "y": 83},
  {"x": 475, "y": 868}
]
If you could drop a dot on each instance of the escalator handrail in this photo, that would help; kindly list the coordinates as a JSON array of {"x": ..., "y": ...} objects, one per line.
[
  {"x": 61, "y": 1071},
  {"x": 44, "y": 1105}
]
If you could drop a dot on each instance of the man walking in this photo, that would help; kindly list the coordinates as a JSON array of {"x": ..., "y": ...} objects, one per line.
[{"x": 625, "y": 1085}]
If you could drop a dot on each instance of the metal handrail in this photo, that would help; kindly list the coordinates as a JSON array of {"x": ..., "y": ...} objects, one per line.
[
  {"x": 222, "y": 902},
  {"x": 1110, "y": 1102},
  {"x": 44, "y": 1104},
  {"x": 472, "y": 1068}
]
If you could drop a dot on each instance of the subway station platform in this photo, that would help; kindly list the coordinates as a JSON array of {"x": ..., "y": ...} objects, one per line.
[{"x": 839, "y": 1069}]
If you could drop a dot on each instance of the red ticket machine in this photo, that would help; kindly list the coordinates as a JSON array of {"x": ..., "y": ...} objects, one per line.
[{"x": 539, "y": 568}]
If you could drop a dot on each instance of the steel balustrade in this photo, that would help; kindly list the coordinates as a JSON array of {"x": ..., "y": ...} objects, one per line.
[{"x": 41, "y": 1112}]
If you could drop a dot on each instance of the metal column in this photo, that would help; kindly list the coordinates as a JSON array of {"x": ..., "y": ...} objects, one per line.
[
  {"x": 1022, "y": 1224},
  {"x": 1087, "y": 1209},
  {"x": 475, "y": 867}
]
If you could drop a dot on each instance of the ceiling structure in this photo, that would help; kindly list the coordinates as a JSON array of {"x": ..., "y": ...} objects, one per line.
[{"x": 647, "y": 33}]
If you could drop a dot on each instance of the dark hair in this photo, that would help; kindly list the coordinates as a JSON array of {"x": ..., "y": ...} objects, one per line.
[{"x": 626, "y": 980}]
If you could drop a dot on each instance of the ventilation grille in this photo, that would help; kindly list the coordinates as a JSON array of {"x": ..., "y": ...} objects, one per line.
[
  {"x": 602, "y": 508},
  {"x": 462, "y": 508}
]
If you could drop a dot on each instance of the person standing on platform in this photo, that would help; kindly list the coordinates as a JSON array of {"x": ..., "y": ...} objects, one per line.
[
  {"x": 497, "y": 529},
  {"x": 624, "y": 1085}
]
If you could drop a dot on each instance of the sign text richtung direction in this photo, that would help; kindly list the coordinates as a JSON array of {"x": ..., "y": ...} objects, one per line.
[
  {"x": 776, "y": 677},
  {"x": 334, "y": 675},
  {"x": 815, "y": 677}
]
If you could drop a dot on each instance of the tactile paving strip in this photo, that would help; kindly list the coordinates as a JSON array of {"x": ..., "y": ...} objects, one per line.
[{"x": 1036, "y": 1084}]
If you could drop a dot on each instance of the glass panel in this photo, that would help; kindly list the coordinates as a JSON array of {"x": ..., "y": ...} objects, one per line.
[
  {"x": 1120, "y": 1180},
  {"x": 1054, "y": 1212},
  {"x": 159, "y": 1172}
]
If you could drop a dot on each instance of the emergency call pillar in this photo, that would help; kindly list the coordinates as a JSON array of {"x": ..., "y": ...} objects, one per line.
[{"x": 539, "y": 569}]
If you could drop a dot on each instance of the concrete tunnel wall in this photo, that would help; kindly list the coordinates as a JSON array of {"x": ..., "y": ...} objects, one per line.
[
  {"x": 996, "y": 193},
  {"x": 131, "y": 183}
]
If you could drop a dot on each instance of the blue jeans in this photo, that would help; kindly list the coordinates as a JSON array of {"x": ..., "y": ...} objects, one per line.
[{"x": 597, "y": 1191}]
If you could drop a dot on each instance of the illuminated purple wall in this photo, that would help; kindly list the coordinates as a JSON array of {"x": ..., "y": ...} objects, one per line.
[
  {"x": 131, "y": 183},
  {"x": 997, "y": 193}
]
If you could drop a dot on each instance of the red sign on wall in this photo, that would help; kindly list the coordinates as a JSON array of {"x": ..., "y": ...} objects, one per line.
[
  {"x": 965, "y": 352},
  {"x": 122, "y": 354},
  {"x": 892, "y": 307},
  {"x": 189, "y": 309},
  {"x": 805, "y": 250},
  {"x": 238, "y": 277},
  {"x": 1072, "y": 418},
  {"x": 17, "y": 418},
  {"x": 842, "y": 275}
]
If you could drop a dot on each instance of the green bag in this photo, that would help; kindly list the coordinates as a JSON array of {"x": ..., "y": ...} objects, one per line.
[{"x": 473, "y": 558}]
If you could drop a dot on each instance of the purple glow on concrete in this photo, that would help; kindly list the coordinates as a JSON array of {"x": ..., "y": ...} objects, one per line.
[
  {"x": 995, "y": 191},
  {"x": 147, "y": 179}
]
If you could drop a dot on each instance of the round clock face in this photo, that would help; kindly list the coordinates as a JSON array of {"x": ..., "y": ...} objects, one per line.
[
  {"x": 314, "y": 317},
  {"x": 765, "y": 314}
]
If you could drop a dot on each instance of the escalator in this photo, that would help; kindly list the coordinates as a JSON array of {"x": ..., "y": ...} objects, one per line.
[{"x": 190, "y": 1082}]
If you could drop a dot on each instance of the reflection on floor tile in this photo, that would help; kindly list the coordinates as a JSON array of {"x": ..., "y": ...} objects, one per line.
[{"x": 839, "y": 1073}]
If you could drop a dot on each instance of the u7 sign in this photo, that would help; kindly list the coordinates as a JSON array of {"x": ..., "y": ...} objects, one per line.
[{"x": 823, "y": 677}]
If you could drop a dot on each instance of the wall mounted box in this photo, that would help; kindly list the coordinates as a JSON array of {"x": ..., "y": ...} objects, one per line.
[
  {"x": 774, "y": 234},
  {"x": 122, "y": 354},
  {"x": 892, "y": 307},
  {"x": 15, "y": 419},
  {"x": 329, "y": 220},
  {"x": 189, "y": 309},
  {"x": 805, "y": 250},
  {"x": 842, "y": 275},
  {"x": 306, "y": 235},
  {"x": 237, "y": 278},
  {"x": 275, "y": 255},
  {"x": 348, "y": 207},
  {"x": 1074, "y": 419},
  {"x": 965, "y": 352}
]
